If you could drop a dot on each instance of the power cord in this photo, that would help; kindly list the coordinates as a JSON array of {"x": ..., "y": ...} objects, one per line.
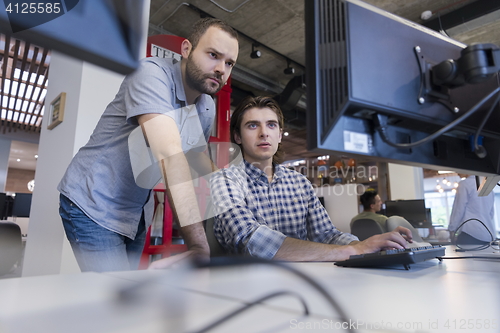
[
  {"x": 493, "y": 243},
  {"x": 241, "y": 260},
  {"x": 471, "y": 257},
  {"x": 130, "y": 293},
  {"x": 381, "y": 125},
  {"x": 479, "y": 149},
  {"x": 249, "y": 305}
]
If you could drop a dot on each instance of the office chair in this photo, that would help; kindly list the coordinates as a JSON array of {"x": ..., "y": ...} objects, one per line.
[
  {"x": 395, "y": 221},
  {"x": 365, "y": 228},
  {"x": 216, "y": 250},
  {"x": 11, "y": 246}
]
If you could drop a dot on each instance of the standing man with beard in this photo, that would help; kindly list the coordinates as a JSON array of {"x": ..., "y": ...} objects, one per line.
[{"x": 105, "y": 209}]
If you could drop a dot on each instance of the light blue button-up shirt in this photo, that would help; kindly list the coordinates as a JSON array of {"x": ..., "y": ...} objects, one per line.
[{"x": 100, "y": 179}]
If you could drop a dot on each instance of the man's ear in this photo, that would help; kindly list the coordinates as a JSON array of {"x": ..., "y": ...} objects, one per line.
[
  {"x": 237, "y": 138},
  {"x": 281, "y": 135},
  {"x": 186, "y": 48}
]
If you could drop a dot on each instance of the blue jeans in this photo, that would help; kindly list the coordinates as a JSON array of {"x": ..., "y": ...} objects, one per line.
[{"x": 97, "y": 248}]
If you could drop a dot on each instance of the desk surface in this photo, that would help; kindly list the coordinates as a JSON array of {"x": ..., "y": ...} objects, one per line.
[{"x": 449, "y": 296}]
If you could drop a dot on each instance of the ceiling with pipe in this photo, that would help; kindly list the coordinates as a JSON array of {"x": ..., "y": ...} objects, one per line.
[{"x": 274, "y": 27}]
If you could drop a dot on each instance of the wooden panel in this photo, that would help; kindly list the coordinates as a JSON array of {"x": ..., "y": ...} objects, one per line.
[{"x": 17, "y": 180}]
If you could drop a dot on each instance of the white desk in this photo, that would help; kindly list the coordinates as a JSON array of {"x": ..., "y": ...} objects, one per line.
[{"x": 452, "y": 296}]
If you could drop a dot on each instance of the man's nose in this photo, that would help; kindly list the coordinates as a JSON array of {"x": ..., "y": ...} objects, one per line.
[{"x": 220, "y": 67}]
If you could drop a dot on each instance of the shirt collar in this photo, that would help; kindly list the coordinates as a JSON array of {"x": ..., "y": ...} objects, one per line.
[
  {"x": 256, "y": 173},
  {"x": 179, "y": 86}
]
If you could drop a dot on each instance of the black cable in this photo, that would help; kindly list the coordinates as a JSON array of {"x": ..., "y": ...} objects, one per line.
[
  {"x": 381, "y": 123},
  {"x": 471, "y": 257},
  {"x": 441, "y": 30},
  {"x": 248, "y": 306},
  {"x": 479, "y": 149},
  {"x": 244, "y": 260},
  {"x": 480, "y": 247}
]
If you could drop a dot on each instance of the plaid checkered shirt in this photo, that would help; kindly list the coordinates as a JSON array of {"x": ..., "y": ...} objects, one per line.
[{"x": 254, "y": 217}]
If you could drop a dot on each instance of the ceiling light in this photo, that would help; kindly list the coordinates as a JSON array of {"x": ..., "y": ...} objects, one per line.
[
  {"x": 426, "y": 15},
  {"x": 288, "y": 70},
  {"x": 255, "y": 53},
  {"x": 36, "y": 156},
  {"x": 285, "y": 134},
  {"x": 19, "y": 160}
]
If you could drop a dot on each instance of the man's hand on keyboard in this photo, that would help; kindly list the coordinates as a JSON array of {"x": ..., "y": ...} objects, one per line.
[{"x": 396, "y": 239}]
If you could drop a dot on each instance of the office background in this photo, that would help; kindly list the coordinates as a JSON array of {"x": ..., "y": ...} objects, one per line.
[{"x": 274, "y": 28}]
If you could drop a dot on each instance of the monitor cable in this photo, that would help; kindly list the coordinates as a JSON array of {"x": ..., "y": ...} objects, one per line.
[
  {"x": 471, "y": 257},
  {"x": 244, "y": 260},
  {"x": 130, "y": 293},
  {"x": 479, "y": 149},
  {"x": 380, "y": 122},
  {"x": 494, "y": 243},
  {"x": 248, "y": 306}
]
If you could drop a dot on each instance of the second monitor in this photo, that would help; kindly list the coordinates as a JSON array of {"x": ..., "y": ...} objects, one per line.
[{"x": 413, "y": 211}]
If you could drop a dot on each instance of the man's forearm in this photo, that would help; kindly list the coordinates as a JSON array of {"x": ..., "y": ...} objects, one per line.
[
  {"x": 299, "y": 250},
  {"x": 195, "y": 238},
  {"x": 184, "y": 203},
  {"x": 201, "y": 163},
  {"x": 178, "y": 180},
  {"x": 163, "y": 137}
]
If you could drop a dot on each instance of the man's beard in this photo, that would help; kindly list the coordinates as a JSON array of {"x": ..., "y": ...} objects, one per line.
[{"x": 197, "y": 80}]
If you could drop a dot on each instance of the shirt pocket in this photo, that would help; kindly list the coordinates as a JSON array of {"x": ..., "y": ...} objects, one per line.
[{"x": 192, "y": 135}]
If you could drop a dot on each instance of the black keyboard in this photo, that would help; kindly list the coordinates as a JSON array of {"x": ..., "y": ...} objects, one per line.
[{"x": 395, "y": 257}]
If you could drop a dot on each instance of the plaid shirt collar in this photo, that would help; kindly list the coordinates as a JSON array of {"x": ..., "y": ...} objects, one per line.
[{"x": 260, "y": 176}]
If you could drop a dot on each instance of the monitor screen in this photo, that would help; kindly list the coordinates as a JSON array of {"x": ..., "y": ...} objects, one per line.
[
  {"x": 107, "y": 33},
  {"x": 369, "y": 70},
  {"x": 413, "y": 211},
  {"x": 6, "y": 202},
  {"x": 3, "y": 206},
  {"x": 322, "y": 200},
  {"x": 22, "y": 205}
]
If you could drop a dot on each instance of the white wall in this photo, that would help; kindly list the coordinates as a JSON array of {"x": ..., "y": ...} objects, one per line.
[
  {"x": 341, "y": 203},
  {"x": 405, "y": 182},
  {"x": 88, "y": 90}
]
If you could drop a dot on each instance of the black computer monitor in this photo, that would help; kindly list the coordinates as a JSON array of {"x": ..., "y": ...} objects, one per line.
[
  {"x": 364, "y": 63},
  {"x": 413, "y": 211},
  {"x": 22, "y": 205},
  {"x": 3, "y": 206},
  {"x": 107, "y": 33},
  {"x": 322, "y": 200}
]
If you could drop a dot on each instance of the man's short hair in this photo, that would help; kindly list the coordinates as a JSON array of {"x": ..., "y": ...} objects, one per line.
[
  {"x": 258, "y": 102},
  {"x": 202, "y": 25},
  {"x": 368, "y": 198}
]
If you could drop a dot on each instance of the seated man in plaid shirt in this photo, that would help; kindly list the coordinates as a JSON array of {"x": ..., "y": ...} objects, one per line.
[{"x": 268, "y": 211}]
